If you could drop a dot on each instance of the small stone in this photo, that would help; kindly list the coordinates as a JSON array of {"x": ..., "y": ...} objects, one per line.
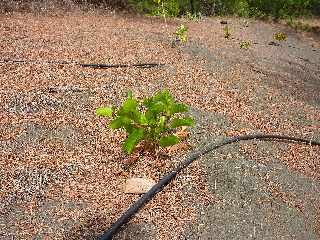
[
  {"x": 138, "y": 185},
  {"x": 223, "y": 22}
]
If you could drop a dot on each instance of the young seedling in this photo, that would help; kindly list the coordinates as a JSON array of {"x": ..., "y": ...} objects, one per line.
[
  {"x": 227, "y": 32},
  {"x": 245, "y": 44},
  {"x": 280, "y": 36},
  {"x": 151, "y": 120},
  {"x": 181, "y": 33}
]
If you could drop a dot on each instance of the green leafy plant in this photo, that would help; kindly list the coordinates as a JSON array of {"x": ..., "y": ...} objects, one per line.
[
  {"x": 277, "y": 9},
  {"x": 227, "y": 32},
  {"x": 151, "y": 120},
  {"x": 181, "y": 33},
  {"x": 280, "y": 36},
  {"x": 245, "y": 44}
]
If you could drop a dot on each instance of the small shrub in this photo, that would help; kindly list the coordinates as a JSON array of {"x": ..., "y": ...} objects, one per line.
[
  {"x": 227, "y": 32},
  {"x": 181, "y": 33},
  {"x": 280, "y": 36},
  {"x": 245, "y": 44},
  {"x": 151, "y": 120}
]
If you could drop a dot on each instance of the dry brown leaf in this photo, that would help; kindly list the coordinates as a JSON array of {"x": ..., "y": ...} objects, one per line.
[{"x": 183, "y": 133}]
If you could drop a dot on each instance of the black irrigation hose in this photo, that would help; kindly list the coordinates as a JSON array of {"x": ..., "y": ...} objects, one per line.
[
  {"x": 170, "y": 176},
  {"x": 92, "y": 65},
  {"x": 138, "y": 65}
]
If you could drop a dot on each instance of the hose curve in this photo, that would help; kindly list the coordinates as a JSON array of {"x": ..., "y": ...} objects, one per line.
[{"x": 135, "y": 207}]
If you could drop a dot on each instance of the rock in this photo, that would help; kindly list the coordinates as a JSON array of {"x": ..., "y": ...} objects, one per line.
[
  {"x": 223, "y": 22},
  {"x": 138, "y": 185}
]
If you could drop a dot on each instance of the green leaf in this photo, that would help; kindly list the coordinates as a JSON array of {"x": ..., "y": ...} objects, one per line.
[
  {"x": 179, "y": 108},
  {"x": 150, "y": 117},
  {"x": 147, "y": 102},
  {"x": 178, "y": 122},
  {"x": 119, "y": 122},
  {"x": 129, "y": 109},
  {"x": 134, "y": 137},
  {"x": 130, "y": 94},
  {"x": 162, "y": 121},
  {"x": 143, "y": 119},
  {"x": 157, "y": 107},
  {"x": 165, "y": 97},
  {"x": 129, "y": 105},
  {"x": 169, "y": 141},
  {"x": 104, "y": 112},
  {"x": 161, "y": 102},
  {"x": 129, "y": 128},
  {"x": 135, "y": 115}
]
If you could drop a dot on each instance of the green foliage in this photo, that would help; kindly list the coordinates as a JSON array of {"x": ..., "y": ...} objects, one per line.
[
  {"x": 244, "y": 44},
  {"x": 244, "y": 8},
  {"x": 104, "y": 112},
  {"x": 262, "y": 8},
  {"x": 227, "y": 32},
  {"x": 241, "y": 8},
  {"x": 179, "y": 122},
  {"x": 193, "y": 16},
  {"x": 164, "y": 8},
  {"x": 169, "y": 141},
  {"x": 181, "y": 33},
  {"x": 134, "y": 137},
  {"x": 151, "y": 119},
  {"x": 280, "y": 36}
]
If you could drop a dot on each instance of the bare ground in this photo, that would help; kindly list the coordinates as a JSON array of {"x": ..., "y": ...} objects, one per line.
[{"x": 62, "y": 172}]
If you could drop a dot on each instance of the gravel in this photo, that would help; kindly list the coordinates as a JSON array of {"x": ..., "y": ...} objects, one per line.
[{"x": 62, "y": 170}]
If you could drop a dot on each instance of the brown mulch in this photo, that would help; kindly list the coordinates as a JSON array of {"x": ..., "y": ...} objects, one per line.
[{"x": 62, "y": 171}]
